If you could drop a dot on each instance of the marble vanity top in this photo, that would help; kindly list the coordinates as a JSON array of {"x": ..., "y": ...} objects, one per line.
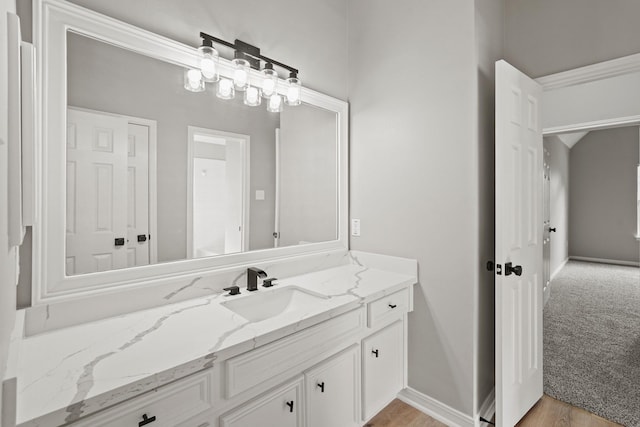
[{"x": 69, "y": 373}]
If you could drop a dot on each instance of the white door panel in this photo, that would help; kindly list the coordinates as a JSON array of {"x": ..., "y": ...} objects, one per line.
[
  {"x": 519, "y": 267},
  {"x": 137, "y": 195},
  {"x": 96, "y": 177}
]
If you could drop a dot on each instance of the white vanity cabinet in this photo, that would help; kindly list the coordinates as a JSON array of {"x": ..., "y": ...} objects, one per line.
[
  {"x": 281, "y": 407},
  {"x": 383, "y": 363},
  {"x": 167, "y": 406},
  {"x": 332, "y": 391}
]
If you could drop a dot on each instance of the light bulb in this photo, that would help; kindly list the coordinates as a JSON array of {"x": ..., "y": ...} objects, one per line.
[
  {"x": 294, "y": 91},
  {"x": 209, "y": 63},
  {"x": 275, "y": 104},
  {"x": 225, "y": 89},
  {"x": 252, "y": 96},
  {"x": 240, "y": 73},
  {"x": 193, "y": 80},
  {"x": 269, "y": 80}
]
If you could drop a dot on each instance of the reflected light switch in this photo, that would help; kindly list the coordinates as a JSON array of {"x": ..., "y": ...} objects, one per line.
[{"x": 259, "y": 194}]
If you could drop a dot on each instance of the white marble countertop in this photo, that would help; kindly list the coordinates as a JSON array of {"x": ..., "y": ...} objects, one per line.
[{"x": 69, "y": 373}]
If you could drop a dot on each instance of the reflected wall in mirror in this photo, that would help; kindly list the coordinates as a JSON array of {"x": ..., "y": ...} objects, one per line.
[{"x": 156, "y": 173}]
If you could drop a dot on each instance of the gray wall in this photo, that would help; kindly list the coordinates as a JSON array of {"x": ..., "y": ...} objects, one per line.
[
  {"x": 106, "y": 78},
  {"x": 603, "y": 197},
  {"x": 419, "y": 159},
  {"x": 7, "y": 256},
  {"x": 308, "y": 176},
  {"x": 548, "y": 36},
  {"x": 559, "y": 200}
]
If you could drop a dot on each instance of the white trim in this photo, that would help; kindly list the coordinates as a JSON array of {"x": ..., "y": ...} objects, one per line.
[
  {"x": 594, "y": 125},
  {"x": 51, "y": 21},
  {"x": 589, "y": 73},
  {"x": 560, "y": 267},
  {"x": 488, "y": 408},
  {"x": 605, "y": 261},
  {"x": 637, "y": 237},
  {"x": 434, "y": 408}
]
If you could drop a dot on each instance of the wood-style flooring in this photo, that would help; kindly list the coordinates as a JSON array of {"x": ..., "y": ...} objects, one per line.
[{"x": 548, "y": 412}]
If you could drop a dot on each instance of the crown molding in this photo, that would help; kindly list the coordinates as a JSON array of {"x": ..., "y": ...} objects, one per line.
[{"x": 615, "y": 67}]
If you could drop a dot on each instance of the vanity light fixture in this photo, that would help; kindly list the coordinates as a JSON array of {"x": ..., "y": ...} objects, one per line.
[
  {"x": 241, "y": 70},
  {"x": 225, "y": 89},
  {"x": 294, "y": 89},
  {"x": 209, "y": 61},
  {"x": 269, "y": 80},
  {"x": 252, "y": 96},
  {"x": 238, "y": 77},
  {"x": 193, "y": 80},
  {"x": 275, "y": 103}
]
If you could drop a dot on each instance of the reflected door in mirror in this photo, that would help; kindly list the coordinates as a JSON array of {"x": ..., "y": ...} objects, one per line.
[{"x": 107, "y": 193}]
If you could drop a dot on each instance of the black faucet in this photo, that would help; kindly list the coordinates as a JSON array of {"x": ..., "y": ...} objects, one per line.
[{"x": 252, "y": 278}]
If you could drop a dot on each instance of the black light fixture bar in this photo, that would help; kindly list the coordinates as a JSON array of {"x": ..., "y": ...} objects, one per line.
[{"x": 249, "y": 50}]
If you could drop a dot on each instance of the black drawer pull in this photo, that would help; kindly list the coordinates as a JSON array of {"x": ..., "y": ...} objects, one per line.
[
  {"x": 393, "y": 305},
  {"x": 290, "y": 405},
  {"x": 146, "y": 420},
  {"x": 375, "y": 352},
  {"x": 118, "y": 241},
  {"x": 321, "y": 385}
]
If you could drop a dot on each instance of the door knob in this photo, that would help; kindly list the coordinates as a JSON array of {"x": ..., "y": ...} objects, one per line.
[
  {"x": 552, "y": 230},
  {"x": 509, "y": 268}
]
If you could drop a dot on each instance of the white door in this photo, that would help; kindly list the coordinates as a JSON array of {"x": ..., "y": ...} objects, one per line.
[
  {"x": 518, "y": 244},
  {"x": 138, "y": 195},
  {"x": 96, "y": 192}
]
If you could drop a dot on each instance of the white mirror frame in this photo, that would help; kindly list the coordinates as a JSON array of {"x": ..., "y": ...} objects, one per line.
[{"x": 52, "y": 19}]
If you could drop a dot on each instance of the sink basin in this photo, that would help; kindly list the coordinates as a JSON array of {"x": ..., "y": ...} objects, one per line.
[{"x": 262, "y": 305}]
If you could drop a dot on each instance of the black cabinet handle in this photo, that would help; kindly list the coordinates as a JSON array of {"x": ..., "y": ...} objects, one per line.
[
  {"x": 393, "y": 305},
  {"x": 552, "y": 230},
  {"x": 290, "y": 405},
  {"x": 119, "y": 241},
  {"x": 375, "y": 352},
  {"x": 146, "y": 420},
  {"x": 321, "y": 385},
  {"x": 142, "y": 238}
]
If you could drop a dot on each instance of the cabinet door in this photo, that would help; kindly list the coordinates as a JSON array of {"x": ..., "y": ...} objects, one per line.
[
  {"x": 281, "y": 407},
  {"x": 332, "y": 391},
  {"x": 383, "y": 368}
]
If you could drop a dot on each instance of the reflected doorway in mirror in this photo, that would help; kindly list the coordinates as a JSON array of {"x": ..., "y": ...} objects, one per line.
[{"x": 217, "y": 191}]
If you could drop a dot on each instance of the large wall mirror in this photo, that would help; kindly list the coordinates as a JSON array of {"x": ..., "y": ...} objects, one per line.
[{"x": 143, "y": 179}]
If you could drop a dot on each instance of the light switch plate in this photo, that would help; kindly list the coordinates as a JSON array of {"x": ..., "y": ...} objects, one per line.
[{"x": 355, "y": 227}]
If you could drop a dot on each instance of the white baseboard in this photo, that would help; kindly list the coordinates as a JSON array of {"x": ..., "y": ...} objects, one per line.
[
  {"x": 488, "y": 408},
  {"x": 560, "y": 267},
  {"x": 606, "y": 261},
  {"x": 436, "y": 409}
]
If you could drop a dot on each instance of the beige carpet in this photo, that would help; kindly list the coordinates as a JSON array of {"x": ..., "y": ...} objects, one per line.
[{"x": 592, "y": 340}]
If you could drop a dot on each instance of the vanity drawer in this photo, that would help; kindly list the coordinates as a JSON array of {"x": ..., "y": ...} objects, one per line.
[
  {"x": 170, "y": 405},
  {"x": 290, "y": 355},
  {"x": 388, "y": 307}
]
